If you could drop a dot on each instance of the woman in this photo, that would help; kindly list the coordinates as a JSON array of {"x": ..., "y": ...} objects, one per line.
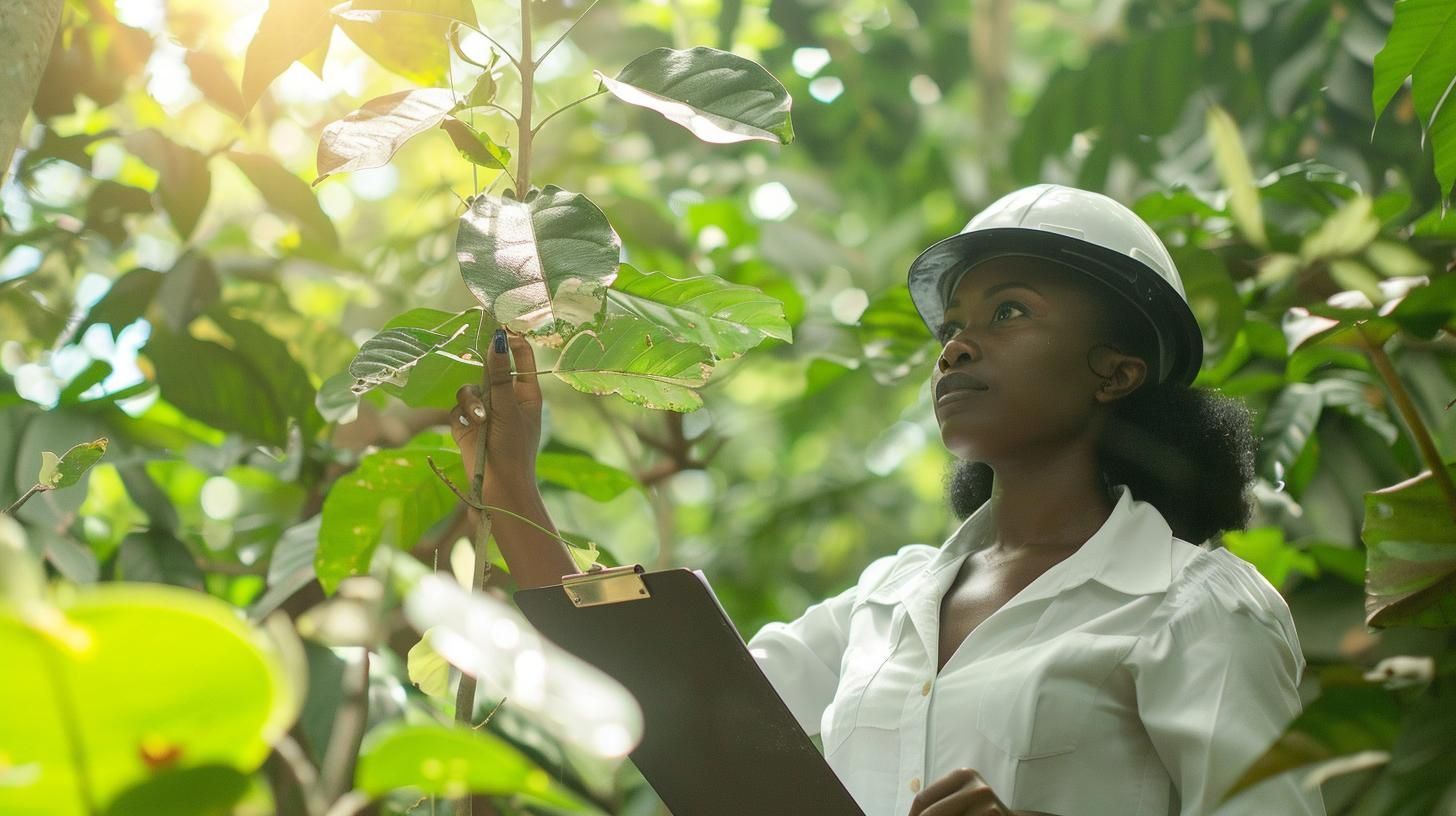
[{"x": 1067, "y": 651}]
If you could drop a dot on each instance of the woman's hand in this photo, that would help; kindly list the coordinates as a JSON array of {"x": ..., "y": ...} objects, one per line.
[
  {"x": 513, "y": 422},
  {"x": 961, "y": 792}
]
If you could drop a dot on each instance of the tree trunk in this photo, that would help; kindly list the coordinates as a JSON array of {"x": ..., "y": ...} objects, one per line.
[{"x": 27, "y": 31}]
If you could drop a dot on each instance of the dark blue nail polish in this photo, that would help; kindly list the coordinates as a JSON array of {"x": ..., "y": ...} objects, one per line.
[{"x": 500, "y": 341}]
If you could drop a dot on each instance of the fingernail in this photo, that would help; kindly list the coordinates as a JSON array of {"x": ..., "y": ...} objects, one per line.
[
  {"x": 464, "y": 421},
  {"x": 479, "y": 412},
  {"x": 500, "y": 341}
]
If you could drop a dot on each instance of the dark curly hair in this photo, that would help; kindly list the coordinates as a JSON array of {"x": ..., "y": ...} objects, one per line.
[{"x": 1188, "y": 452}]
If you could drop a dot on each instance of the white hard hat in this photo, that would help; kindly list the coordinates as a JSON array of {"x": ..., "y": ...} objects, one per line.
[{"x": 1086, "y": 231}]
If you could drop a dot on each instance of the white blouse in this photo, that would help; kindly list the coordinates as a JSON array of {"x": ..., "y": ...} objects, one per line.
[{"x": 1139, "y": 676}]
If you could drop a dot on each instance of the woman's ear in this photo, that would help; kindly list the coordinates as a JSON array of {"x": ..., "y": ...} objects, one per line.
[{"x": 1121, "y": 373}]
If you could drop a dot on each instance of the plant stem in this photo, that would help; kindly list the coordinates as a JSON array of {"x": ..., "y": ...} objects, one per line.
[
  {"x": 528, "y": 90},
  {"x": 564, "y": 108},
  {"x": 349, "y": 722},
  {"x": 1407, "y": 408},
  {"x": 569, "y": 29},
  {"x": 15, "y": 508}
]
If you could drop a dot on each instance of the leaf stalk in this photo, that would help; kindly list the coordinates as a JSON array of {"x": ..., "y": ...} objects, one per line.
[{"x": 1407, "y": 408}]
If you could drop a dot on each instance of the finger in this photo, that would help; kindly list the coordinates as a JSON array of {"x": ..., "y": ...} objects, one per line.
[
  {"x": 528, "y": 389},
  {"x": 468, "y": 404},
  {"x": 460, "y": 425},
  {"x": 498, "y": 360},
  {"x": 975, "y": 801},
  {"x": 941, "y": 788}
]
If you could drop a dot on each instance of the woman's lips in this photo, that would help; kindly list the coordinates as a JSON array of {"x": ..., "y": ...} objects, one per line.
[{"x": 956, "y": 385}]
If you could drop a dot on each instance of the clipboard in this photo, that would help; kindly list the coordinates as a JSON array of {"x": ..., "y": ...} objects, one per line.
[{"x": 717, "y": 739}]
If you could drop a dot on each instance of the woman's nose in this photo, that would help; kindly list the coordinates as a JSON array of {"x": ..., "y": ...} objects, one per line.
[{"x": 959, "y": 346}]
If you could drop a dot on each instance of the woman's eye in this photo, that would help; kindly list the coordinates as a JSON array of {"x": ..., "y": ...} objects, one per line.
[{"x": 1008, "y": 310}]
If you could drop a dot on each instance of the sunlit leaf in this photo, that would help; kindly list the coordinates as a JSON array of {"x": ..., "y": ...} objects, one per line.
[
  {"x": 433, "y": 381},
  {"x": 1349, "y": 230},
  {"x": 718, "y": 96},
  {"x": 161, "y": 677},
  {"x": 67, "y": 469},
  {"x": 369, "y": 136},
  {"x": 427, "y": 669},
  {"x": 217, "y": 85},
  {"x": 282, "y": 375},
  {"x": 387, "y": 357},
  {"x": 440, "y": 760},
  {"x": 209, "y": 790},
  {"x": 1238, "y": 176},
  {"x": 336, "y": 400},
  {"x": 638, "y": 361},
  {"x": 727, "y": 319},
  {"x": 290, "y": 30},
  {"x": 124, "y": 302},
  {"x": 475, "y": 146},
  {"x": 218, "y": 386},
  {"x": 287, "y": 195},
  {"x": 539, "y": 264},
  {"x": 583, "y": 474},
  {"x": 1410, "y": 539},
  {"x": 183, "y": 181},
  {"x": 405, "y": 36},
  {"x": 1271, "y": 555},
  {"x": 353, "y": 525}
]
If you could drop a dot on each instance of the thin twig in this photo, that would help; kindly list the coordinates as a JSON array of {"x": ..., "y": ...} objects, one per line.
[
  {"x": 569, "y": 29},
  {"x": 348, "y": 728},
  {"x": 512, "y": 115},
  {"x": 567, "y": 106},
  {"x": 15, "y": 508},
  {"x": 1412, "y": 417}
]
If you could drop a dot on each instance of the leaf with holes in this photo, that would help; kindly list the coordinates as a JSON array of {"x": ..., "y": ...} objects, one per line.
[
  {"x": 1410, "y": 540},
  {"x": 638, "y": 361},
  {"x": 539, "y": 265},
  {"x": 67, "y": 469},
  {"x": 719, "y": 97},
  {"x": 370, "y": 136},
  {"x": 726, "y": 318}
]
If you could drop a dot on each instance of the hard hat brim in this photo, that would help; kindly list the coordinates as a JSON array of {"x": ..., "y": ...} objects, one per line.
[{"x": 939, "y": 268}]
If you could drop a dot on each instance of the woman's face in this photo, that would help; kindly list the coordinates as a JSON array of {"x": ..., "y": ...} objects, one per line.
[{"x": 1014, "y": 377}]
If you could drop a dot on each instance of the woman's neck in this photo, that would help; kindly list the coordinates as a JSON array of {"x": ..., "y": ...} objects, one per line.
[{"x": 1053, "y": 502}]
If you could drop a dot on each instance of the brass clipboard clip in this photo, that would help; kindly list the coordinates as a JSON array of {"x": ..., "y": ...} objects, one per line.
[{"x": 601, "y": 586}]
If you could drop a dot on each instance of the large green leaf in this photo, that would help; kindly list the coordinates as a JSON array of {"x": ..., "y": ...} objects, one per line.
[
  {"x": 1287, "y": 427},
  {"x": 1410, "y": 539},
  {"x": 282, "y": 374},
  {"x": 208, "y": 790},
  {"x": 1348, "y": 230},
  {"x": 1422, "y": 46},
  {"x": 290, "y": 30},
  {"x": 895, "y": 341},
  {"x": 288, "y": 195},
  {"x": 405, "y": 36},
  {"x": 218, "y": 386},
  {"x": 369, "y": 136},
  {"x": 581, "y": 473},
  {"x": 1350, "y": 717},
  {"x": 189, "y": 288},
  {"x": 542, "y": 264},
  {"x": 146, "y": 678},
  {"x": 1237, "y": 175},
  {"x": 391, "y": 496},
  {"x": 637, "y": 360},
  {"x": 441, "y": 760},
  {"x": 183, "y": 180},
  {"x": 718, "y": 96},
  {"x": 727, "y": 318}
]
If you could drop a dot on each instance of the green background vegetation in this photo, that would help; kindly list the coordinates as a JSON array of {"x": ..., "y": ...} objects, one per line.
[{"x": 169, "y": 280}]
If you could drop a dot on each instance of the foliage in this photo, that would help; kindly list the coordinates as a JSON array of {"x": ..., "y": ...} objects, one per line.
[{"x": 270, "y": 361}]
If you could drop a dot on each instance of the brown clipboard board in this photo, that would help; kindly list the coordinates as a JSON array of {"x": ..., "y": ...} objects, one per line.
[{"x": 717, "y": 739}]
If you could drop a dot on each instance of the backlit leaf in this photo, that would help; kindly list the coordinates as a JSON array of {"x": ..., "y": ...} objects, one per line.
[
  {"x": 183, "y": 180},
  {"x": 1422, "y": 45},
  {"x": 583, "y": 474},
  {"x": 475, "y": 146},
  {"x": 405, "y": 36},
  {"x": 76, "y": 461},
  {"x": 638, "y": 361},
  {"x": 290, "y": 30},
  {"x": 1410, "y": 539},
  {"x": 217, "y": 85},
  {"x": 1238, "y": 176},
  {"x": 726, "y": 318},
  {"x": 718, "y": 96},
  {"x": 427, "y": 669},
  {"x": 369, "y": 136},
  {"x": 287, "y": 195},
  {"x": 542, "y": 264}
]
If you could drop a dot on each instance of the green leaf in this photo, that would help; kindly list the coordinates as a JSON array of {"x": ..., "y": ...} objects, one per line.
[
  {"x": 1422, "y": 45},
  {"x": 895, "y": 342},
  {"x": 1350, "y": 717},
  {"x": 183, "y": 181},
  {"x": 108, "y": 206},
  {"x": 336, "y": 400},
  {"x": 1238, "y": 176},
  {"x": 405, "y": 36},
  {"x": 124, "y": 302},
  {"x": 475, "y": 146},
  {"x": 539, "y": 264},
  {"x": 583, "y": 474},
  {"x": 290, "y": 567},
  {"x": 94, "y": 373},
  {"x": 486, "y": 85},
  {"x": 218, "y": 386},
  {"x": 428, "y": 670},
  {"x": 1266, "y": 549},
  {"x": 1212, "y": 297},
  {"x": 50, "y": 470},
  {"x": 282, "y": 375},
  {"x": 156, "y": 556},
  {"x": 638, "y": 361},
  {"x": 387, "y": 357},
  {"x": 1410, "y": 541},
  {"x": 1287, "y": 427},
  {"x": 287, "y": 195},
  {"x": 726, "y": 318},
  {"x": 189, "y": 288},
  {"x": 154, "y": 677},
  {"x": 450, "y": 761},
  {"x": 369, "y": 136},
  {"x": 1350, "y": 229},
  {"x": 68, "y": 469},
  {"x": 210, "y": 790},
  {"x": 290, "y": 30},
  {"x": 719, "y": 97},
  {"x": 217, "y": 85},
  {"x": 433, "y": 381},
  {"x": 353, "y": 525}
]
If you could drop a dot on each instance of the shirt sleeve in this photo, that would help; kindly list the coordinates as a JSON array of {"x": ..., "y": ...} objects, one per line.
[{"x": 1217, "y": 682}]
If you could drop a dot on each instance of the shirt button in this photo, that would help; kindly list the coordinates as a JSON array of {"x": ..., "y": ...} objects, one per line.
[
  {"x": 925, "y": 689},
  {"x": 915, "y": 785}
]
